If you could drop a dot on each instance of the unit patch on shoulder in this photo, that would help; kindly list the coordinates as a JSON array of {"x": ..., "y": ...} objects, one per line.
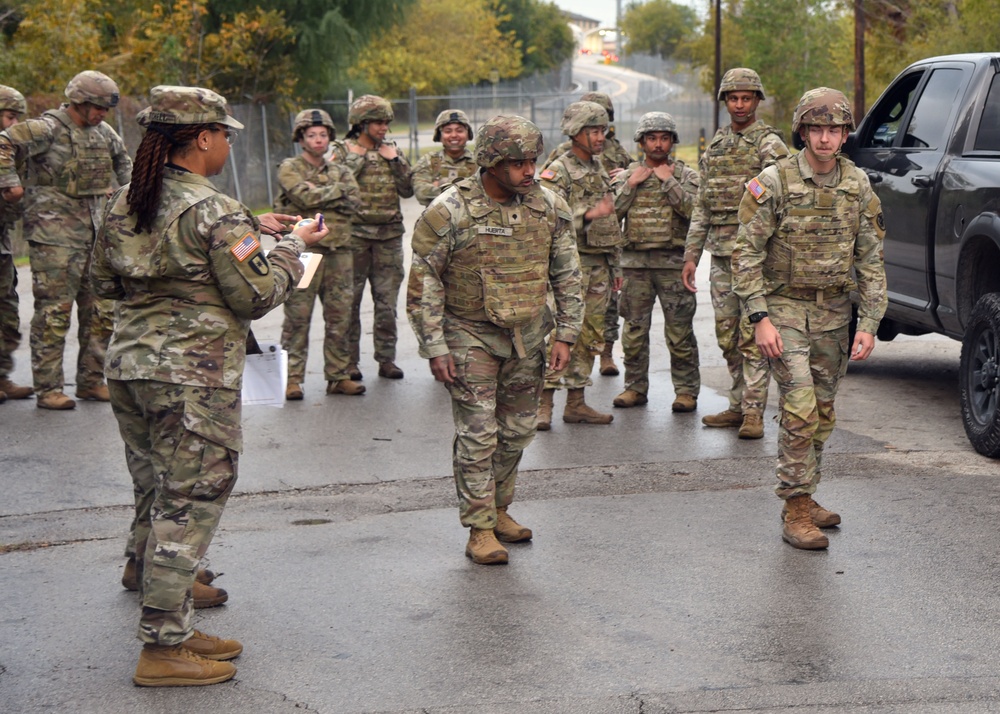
[
  {"x": 547, "y": 175},
  {"x": 245, "y": 247},
  {"x": 757, "y": 190},
  {"x": 260, "y": 265}
]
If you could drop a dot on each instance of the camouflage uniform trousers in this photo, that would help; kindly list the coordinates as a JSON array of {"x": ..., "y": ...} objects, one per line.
[
  {"x": 494, "y": 402},
  {"x": 597, "y": 291},
  {"x": 60, "y": 276},
  {"x": 748, "y": 368},
  {"x": 334, "y": 284},
  {"x": 10, "y": 333},
  {"x": 182, "y": 449},
  {"x": 640, "y": 291},
  {"x": 611, "y": 316},
  {"x": 808, "y": 374},
  {"x": 379, "y": 262}
]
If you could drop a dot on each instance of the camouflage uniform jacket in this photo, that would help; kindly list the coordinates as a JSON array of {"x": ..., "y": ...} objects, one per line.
[
  {"x": 660, "y": 206},
  {"x": 613, "y": 157},
  {"x": 9, "y": 215},
  {"x": 41, "y": 149},
  {"x": 761, "y": 219},
  {"x": 188, "y": 289},
  {"x": 452, "y": 223},
  {"x": 329, "y": 189},
  {"x": 761, "y": 146},
  {"x": 382, "y": 184},
  {"x": 439, "y": 166}
]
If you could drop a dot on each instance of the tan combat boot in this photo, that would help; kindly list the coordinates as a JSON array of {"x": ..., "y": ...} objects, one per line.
[
  {"x": 389, "y": 370},
  {"x": 608, "y": 366},
  {"x": 752, "y": 426},
  {"x": 206, "y": 596},
  {"x": 15, "y": 391},
  {"x": 293, "y": 392},
  {"x": 55, "y": 400},
  {"x": 484, "y": 548},
  {"x": 577, "y": 411},
  {"x": 799, "y": 531},
  {"x": 820, "y": 516},
  {"x": 345, "y": 386},
  {"x": 214, "y": 648},
  {"x": 630, "y": 398},
  {"x": 508, "y": 530},
  {"x": 97, "y": 393},
  {"x": 176, "y": 666},
  {"x": 724, "y": 419},
  {"x": 545, "y": 410},
  {"x": 684, "y": 403}
]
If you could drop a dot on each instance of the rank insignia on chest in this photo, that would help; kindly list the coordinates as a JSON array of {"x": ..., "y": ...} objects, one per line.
[
  {"x": 547, "y": 175},
  {"x": 757, "y": 189},
  {"x": 245, "y": 248}
]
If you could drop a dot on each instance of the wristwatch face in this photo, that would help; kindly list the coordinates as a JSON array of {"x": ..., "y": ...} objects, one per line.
[{"x": 757, "y": 317}]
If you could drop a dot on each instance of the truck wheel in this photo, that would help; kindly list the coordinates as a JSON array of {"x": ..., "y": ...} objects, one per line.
[{"x": 979, "y": 376}]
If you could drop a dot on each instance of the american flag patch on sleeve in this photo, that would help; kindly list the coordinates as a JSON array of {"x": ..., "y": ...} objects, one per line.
[
  {"x": 245, "y": 248},
  {"x": 756, "y": 188}
]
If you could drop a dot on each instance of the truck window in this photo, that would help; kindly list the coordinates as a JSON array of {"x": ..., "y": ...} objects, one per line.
[
  {"x": 988, "y": 136},
  {"x": 888, "y": 113},
  {"x": 929, "y": 123}
]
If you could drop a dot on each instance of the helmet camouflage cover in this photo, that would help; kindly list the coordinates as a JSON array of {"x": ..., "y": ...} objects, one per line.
[
  {"x": 309, "y": 118},
  {"x": 655, "y": 121},
  {"x": 507, "y": 137},
  {"x": 12, "y": 100},
  {"x": 90, "y": 87},
  {"x": 368, "y": 107},
  {"x": 603, "y": 99},
  {"x": 823, "y": 107},
  {"x": 451, "y": 116},
  {"x": 740, "y": 79},
  {"x": 580, "y": 115}
]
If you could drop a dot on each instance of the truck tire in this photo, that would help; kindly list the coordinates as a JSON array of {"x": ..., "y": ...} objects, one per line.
[{"x": 979, "y": 376}]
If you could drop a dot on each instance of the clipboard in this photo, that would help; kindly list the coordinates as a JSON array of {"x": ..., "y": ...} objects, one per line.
[{"x": 265, "y": 376}]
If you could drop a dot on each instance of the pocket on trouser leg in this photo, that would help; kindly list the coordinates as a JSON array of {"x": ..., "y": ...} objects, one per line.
[{"x": 170, "y": 576}]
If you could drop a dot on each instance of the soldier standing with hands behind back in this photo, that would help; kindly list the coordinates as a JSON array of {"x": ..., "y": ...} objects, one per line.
[{"x": 806, "y": 224}]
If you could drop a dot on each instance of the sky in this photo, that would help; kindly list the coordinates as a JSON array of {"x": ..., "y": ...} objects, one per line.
[{"x": 604, "y": 10}]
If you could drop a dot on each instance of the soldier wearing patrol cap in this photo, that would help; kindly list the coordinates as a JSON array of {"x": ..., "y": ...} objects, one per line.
[
  {"x": 438, "y": 170},
  {"x": 309, "y": 184},
  {"x": 383, "y": 175},
  {"x": 72, "y": 158},
  {"x": 737, "y": 153},
  {"x": 655, "y": 198},
  {"x": 484, "y": 255},
  {"x": 810, "y": 232},
  {"x": 581, "y": 180},
  {"x": 185, "y": 264},
  {"x": 13, "y": 108}
]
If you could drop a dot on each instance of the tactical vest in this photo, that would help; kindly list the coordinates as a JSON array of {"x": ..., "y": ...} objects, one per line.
[
  {"x": 729, "y": 169},
  {"x": 448, "y": 172},
  {"x": 89, "y": 169},
  {"x": 651, "y": 223},
  {"x": 814, "y": 243},
  {"x": 502, "y": 275},
  {"x": 338, "y": 223},
  {"x": 587, "y": 189},
  {"x": 379, "y": 198}
]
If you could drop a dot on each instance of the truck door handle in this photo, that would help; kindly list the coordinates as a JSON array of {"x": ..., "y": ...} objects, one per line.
[
  {"x": 922, "y": 181},
  {"x": 874, "y": 177}
]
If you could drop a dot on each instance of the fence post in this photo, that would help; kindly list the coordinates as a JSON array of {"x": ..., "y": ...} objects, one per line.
[
  {"x": 267, "y": 154},
  {"x": 414, "y": 128}
]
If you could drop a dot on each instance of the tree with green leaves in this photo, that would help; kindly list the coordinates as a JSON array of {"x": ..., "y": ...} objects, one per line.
[
  {"x": 658, "y": 27},
  {"x": 545, "y": 40}
]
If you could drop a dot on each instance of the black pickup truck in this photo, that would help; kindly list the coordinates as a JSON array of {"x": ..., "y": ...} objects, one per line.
[{"x": 931, "y": 147}]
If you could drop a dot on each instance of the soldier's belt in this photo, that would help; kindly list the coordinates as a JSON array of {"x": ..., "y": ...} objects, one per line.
[{"x": 817, "y": 295}]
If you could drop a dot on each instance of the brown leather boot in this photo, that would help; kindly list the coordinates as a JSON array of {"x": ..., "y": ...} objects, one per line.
[
  {"x": 630, "y": 398},
  {"x": 577, "y": 411},
  {"x": 752, "y": 426},
  {"x": 723, "y": 419},
  {"x": 608, "y": 366},
  {"x": 799, "y": 531},
  {"x": 345, "y": 386},
  {"x": 820, "y": 516},
  {"x": 545, "y": 410},
  {"x": 684, "y": 403},
  {"x": 508, "y": 530},
  {"x": 55, "y": 400},
  {"x": 206, "y": 596},
  {"x": 484, "y": 548},
  {"x": 214, "y": 648},
  {"x": 176, "y": 666},
  {"x": 131, "y": 576},
  {"x": 15, "y": 391},
  {"x": 293, "y": 392},
  {"x": 389, "y": 370},
  {"x": 97, "y": 393}
]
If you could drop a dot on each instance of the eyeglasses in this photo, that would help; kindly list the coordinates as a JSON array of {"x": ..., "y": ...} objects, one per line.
[{"x": 230, "y": 134}]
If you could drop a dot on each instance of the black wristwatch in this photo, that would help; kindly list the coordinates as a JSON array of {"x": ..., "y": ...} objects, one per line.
[{"x": 757, "y": 317}]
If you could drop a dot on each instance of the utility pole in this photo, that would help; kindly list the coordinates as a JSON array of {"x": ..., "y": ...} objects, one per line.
[
  {"x": 859, "y": 60},
  {"x": 718, "y": 59}
]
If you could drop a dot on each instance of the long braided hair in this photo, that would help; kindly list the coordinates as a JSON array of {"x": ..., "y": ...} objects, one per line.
[{"x": 158, "y": 145}]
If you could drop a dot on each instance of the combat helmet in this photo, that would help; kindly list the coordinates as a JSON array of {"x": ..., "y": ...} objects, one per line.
[
  {"x": 507, "y": 137},
  {"x": 368, "y": 107},
  {"x": 740, "y": 79},
  {"x": 12, "y": 100},
  {"x": 90, "y": 87},
  {"x": 655, "y": 121},
  {"x": 312, "y": 117},
  {"x": 823, "y": 107},
  {"x": 580, "y": 115},
  {"x": 603, "y": 99},
  {"x": 451, "y": 116}
]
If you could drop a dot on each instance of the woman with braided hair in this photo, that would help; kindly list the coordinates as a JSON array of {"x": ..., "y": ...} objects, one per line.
[{"x": 185, "y": 264}]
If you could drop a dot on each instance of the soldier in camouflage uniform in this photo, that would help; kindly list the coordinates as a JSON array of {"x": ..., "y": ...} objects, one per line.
[
  {"x": 309, "y": 184},
  {"x": 655, "y": 198},
  {"x": 70, "y": 156},
  {"x": 615, "y": 160},
  {"x": 383, "y": 175},
  {"x": 186, "y": 266},
  {"x": 581, "y": 180},
  {"x": 484, "y": 254},
  {"x": 737, "y": 153},
  {"x": 12, "y": 109},
  {"x": 808, "y": 225},
  {"x": 438, "y": 170}
]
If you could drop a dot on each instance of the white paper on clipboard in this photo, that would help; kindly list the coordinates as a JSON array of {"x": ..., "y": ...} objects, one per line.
[{"x": 265, "y": 376}]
